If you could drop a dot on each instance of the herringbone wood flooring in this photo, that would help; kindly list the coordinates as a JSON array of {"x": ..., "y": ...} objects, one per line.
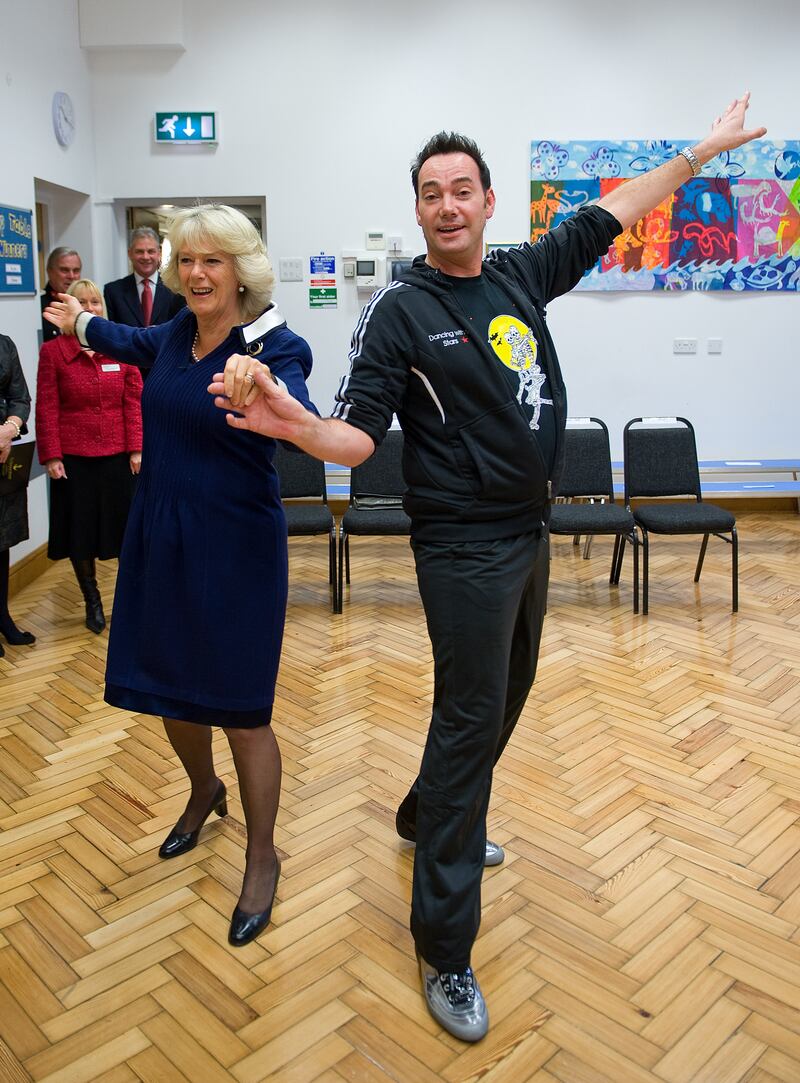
[{"x": 645, "y": 925}]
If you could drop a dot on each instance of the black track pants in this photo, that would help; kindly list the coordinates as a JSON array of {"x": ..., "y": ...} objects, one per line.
[{"x": 484, "y": 604}]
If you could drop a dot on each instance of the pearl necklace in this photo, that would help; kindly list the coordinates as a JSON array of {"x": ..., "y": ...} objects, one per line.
[{"x": 195, "y": 344}]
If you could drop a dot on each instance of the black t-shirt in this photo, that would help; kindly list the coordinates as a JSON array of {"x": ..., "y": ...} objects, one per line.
[{"x": 492, "y": 315}]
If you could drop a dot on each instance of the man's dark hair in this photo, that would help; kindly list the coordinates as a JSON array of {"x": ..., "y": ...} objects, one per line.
[{"x": 450, "y": 143}]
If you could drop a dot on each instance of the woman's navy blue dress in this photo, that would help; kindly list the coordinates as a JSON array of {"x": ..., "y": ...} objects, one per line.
[{"x": 201, "y": 591}]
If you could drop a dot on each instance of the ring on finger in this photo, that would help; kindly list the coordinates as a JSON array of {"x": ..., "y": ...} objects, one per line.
[{"x": 249, "y": 376}]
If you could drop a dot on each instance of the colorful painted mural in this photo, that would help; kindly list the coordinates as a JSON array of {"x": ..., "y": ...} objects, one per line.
[{"x": 735, "y": 227}]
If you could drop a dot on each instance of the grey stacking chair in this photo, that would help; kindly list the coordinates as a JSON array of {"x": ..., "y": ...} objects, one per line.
[
  {"x": 376, "y": 501},
  {"x": 661, "y": 461},
  {"x": 587, "y": 478},
  {"x": 302, "y": 477}
]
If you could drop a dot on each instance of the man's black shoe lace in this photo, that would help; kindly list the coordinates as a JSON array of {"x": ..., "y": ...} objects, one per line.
[{"x": 459, "y": 988}]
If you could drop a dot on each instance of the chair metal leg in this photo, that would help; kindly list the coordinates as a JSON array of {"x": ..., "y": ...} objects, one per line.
[
  {"x": 701, "y": 558},
  {"x": 590, "y": 537},
  {"x": 735, "y": 569},
  {"x": 645, "y": 572},
  {"x": 635, "y": 544},
  {"x": 620, "y": 558},
  {"x": 347, "y": 557},
  {"x": 332, "y": 578},
  {"x": 616, "y": 559},
  {"x": 340, "y": 591}
]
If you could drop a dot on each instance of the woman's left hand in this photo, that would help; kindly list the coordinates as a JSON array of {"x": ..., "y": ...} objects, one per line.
[
  {"x": 7, "y": 434},
  {"x": 238, "y": 377},
  {"x": 136, "y": 461}
]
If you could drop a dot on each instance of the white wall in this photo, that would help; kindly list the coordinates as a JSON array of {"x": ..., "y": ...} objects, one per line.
[
  {"x": 39, "y": 54},
  {"x": 323, "y": 105}
]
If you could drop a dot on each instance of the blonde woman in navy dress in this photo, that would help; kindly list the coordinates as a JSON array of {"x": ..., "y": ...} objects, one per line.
[{"x": 204, "y": 562}]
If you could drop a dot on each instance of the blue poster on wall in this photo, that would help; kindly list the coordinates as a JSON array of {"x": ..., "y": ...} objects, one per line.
[{"x": 16, "y": 250}]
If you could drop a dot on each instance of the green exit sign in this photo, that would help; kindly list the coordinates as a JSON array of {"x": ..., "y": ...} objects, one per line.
[{"x": 175, "y": 127}]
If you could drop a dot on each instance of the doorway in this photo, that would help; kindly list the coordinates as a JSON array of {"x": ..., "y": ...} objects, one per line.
[{"x": 159, "y": 216}]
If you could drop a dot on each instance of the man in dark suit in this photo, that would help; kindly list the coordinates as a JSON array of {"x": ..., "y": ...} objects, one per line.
[
  {"x": 141, "y": 299},
  {"x": 63, "y": 268}
]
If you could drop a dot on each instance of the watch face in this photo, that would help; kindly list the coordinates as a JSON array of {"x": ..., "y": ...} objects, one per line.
[{"x": 63, "y": 118}]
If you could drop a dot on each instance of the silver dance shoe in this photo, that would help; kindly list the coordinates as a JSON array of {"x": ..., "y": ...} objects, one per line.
[{"x": 455, "y": 1001}]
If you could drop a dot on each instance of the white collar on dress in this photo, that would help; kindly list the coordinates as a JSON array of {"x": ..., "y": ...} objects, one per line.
[{"x": 262, "y": 325}]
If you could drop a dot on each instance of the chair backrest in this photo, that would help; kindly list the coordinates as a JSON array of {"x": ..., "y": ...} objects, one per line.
[
  {"x": 587, "y": 460},
  {"x": 300, "y": 474},
  {"x": 660, "y": 459},
  {"x": 379, "y": 479}
]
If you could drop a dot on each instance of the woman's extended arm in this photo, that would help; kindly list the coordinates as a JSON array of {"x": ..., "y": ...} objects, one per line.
[{"x": 130, "y": 344}]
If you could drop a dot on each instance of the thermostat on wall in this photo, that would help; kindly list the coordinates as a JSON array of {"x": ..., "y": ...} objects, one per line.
[
  {"x": 376, "y": 241},
  {"x": 370, "y": 273}
]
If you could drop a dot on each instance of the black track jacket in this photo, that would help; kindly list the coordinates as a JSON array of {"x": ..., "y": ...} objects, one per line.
[{"x": 472, "y": 464}]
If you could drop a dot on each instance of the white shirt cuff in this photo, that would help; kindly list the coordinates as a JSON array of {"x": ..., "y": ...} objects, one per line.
[{"x": 81, "y": 323}]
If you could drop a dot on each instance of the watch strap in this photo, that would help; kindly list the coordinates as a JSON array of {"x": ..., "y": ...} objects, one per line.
[{"x": 691, "y": 158}]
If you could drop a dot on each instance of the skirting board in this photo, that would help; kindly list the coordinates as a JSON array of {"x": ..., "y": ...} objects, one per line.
[{"x": 27, "y": 569}]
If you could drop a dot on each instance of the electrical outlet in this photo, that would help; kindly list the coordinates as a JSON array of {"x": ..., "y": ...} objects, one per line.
[
  {"x": 290, "y": 269},
  {"x": 684, "y": 345}
]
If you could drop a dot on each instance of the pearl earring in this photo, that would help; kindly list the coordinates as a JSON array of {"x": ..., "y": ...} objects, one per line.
[{"x": 241, "y": 289}]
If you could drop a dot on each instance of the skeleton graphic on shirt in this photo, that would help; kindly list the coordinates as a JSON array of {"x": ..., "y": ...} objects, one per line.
[{"x": 516, "y": 347}]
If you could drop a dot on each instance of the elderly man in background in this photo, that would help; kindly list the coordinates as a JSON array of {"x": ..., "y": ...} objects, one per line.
[
  {"x": 141, "y": 299},
  {"x": 63, "y": 268}
]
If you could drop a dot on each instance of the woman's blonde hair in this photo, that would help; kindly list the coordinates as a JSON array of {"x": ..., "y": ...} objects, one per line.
[
  {"x": 92, "y": 288},
  {"x": 213, "y": 227}
]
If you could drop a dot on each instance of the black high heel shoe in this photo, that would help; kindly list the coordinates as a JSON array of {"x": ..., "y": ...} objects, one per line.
[
  {"x": 18, "y": 638},
  {"x": 246, "y": 927},
  {"x": 181, "y": 842}
]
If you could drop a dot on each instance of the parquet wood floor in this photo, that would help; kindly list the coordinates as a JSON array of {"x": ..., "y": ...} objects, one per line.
[{"x": 645, "y": 925}]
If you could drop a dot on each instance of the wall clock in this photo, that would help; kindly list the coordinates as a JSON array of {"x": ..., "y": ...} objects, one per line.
[{"x": 63, "y": 118}]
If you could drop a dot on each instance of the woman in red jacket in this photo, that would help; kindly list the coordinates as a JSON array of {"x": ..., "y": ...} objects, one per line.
[{"x": 89, "y": 436}]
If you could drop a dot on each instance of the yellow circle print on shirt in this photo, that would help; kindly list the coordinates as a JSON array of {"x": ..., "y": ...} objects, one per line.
[{"x": 513, "y": 342}]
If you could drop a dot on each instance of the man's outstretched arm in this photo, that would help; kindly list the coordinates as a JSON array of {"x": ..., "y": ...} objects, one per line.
[
  {"x": 276, "y": 413},
  {"x": 636, "y": 198}
]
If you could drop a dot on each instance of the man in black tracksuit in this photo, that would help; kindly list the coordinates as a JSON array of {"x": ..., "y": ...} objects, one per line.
[{"x": 460, "y": 350}]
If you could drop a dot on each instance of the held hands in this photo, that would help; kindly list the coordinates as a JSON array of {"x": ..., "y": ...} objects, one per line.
[
  {"x": 238, "y": 379},
  {"x": 63, "y": 313},
  {"x": 135, "y": 459},
  {"x": 267, "y": 408},
  {"x": 728, "y": 130}
]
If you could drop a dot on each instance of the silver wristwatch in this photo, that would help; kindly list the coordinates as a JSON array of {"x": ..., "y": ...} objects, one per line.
[{"x": 691, "y": 158}]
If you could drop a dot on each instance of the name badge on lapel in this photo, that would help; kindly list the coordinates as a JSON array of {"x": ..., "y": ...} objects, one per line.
[{"x": 110, "y": 368}]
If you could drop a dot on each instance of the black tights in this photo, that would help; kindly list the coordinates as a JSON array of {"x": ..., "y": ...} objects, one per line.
[
  {"x": 7, "y": 625},
  {"x": 258, "y": 767}
]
